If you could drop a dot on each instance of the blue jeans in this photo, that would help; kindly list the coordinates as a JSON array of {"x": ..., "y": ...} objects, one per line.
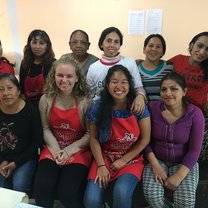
[
  {"x": 21, "y": 178},
  {"x": 122, "y": 192}
]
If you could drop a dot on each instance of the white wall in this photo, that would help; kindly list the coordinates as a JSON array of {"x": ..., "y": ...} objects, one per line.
[{"x": 182, "y": 19}]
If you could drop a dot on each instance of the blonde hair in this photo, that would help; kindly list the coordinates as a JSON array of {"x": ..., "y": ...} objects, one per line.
[{"x": 80, "y": 87}]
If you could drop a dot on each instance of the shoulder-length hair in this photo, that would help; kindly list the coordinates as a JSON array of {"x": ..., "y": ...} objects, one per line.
[
  {"x": 48, "y": 57},
  {"x": 108, "y": 31},
  {"x": 80, "y": 87}
]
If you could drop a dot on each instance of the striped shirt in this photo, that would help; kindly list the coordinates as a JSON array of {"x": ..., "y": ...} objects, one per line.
[{"x": 151, "y": 78}]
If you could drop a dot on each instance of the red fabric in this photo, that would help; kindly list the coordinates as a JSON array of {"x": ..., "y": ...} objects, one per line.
[
  {"x": 124, "y": 133},
  {"x": 6, "y": 68},
  {"x": 34, "y": 87},
  {"x": 66, "y": 127},
  {"x": 197, "y": 88}
]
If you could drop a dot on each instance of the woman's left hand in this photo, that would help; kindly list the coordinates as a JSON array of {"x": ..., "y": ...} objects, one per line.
[
  {"x": 116, "y": 165},
  {"x": 61, "y": 157},
  {"x": 138, "y": 104},
  {"x": 173, "y": 182}
]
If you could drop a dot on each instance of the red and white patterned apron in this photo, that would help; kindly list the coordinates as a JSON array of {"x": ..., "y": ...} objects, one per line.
[
  {"x": 125, "y": 132},
  {"x": 67, "y": 128}
]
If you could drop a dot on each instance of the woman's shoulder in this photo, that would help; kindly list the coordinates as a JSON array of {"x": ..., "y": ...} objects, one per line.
[
  {"x": 94, "y": 67},
  {"x": 155, "y": 105},
  {"x": 178, "y": 57},
  {"x": 45, "y": 101},
  {"x": 46, "y": 98},
  {"x": 194, "y": 110},
  {"x": 84, "y": 101}
]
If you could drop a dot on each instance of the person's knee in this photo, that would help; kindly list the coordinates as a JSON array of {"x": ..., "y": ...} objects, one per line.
[
  {"x": 153, "y": 198},
  {"x": 21, "y": 186},
  {"x": 185, "y": 202},
  {"x": 90, "y": 200}
]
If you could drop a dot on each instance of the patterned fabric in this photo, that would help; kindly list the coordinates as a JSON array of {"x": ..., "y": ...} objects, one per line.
[
  {"x": 183, "y": 196},
  {"x": 151, "y": 79},
  {"x": 104, "y": 132},
  {"x": 204, "y": 150}
]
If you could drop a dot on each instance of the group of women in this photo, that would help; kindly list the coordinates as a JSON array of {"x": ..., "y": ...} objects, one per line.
[{"x": 105, "y": 121}]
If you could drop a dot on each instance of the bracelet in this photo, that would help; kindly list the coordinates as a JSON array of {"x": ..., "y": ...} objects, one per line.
[{"x": 99, "y": 166}]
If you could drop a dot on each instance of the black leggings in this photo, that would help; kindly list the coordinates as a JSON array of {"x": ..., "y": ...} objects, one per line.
[{"x": 67, "y": 183}]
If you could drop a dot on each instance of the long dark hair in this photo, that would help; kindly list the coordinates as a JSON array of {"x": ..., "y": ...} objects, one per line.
[
  {"x": 49, "y": 56},
  {"x": 104, "y": 113},
  {"x": 204, "y": 64}
]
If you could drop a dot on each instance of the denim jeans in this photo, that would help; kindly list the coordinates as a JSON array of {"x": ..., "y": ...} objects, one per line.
[
  {"x": 122, "y": 192},
  {"x": 21, "y": 178}
]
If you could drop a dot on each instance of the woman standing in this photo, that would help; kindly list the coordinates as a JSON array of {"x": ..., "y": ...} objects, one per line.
[
  {"x": 117, "y": 138},
  {"x": 176, "y": 140},
  {"x": 79, "y": 44},
  {"x": 194, "y": 68},
  {"x": 65, "y": 160},
  {"x": 153, "y": 68},
  {"x": 110, "y": 42},
  {"x": 20, "y": 136},
  {"x": 36, "y": 63}
]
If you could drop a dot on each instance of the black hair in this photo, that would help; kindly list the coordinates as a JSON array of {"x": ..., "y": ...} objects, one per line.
[
  {"x": 12, "y": 78},
  {"x": 108, "y": 31},
  {"x": 104, "y": 113},
  {"x": 203, "y": 64},
  {"x": 81, "y": 31},
  {"x": 48, "y": 57},
  {"x": 159, "y": 37},
  {"x": 180, "y": 80}
]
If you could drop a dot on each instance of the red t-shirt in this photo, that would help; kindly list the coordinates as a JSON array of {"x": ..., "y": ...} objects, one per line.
[{"x": 197, "y": 88}]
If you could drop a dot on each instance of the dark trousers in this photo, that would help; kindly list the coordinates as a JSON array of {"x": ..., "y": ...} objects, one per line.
[{"x": 67, "y": 183}]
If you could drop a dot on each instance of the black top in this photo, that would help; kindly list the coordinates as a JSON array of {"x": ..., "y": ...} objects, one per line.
[
  {"x": 20, "y": 135},
  {"x": 34, "y": 71}
]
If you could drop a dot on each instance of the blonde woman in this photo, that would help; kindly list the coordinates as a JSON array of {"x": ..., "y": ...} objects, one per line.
[{"x": 65, "y": 159}]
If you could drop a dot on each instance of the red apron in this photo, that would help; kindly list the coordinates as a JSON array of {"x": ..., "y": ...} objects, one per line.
[
  {"x": 125, "y": 132},
  {"x": 67, "y": 128},
  {"x": 34, "y": 87}
]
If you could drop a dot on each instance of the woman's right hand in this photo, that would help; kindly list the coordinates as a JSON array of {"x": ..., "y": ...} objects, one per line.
[
  {"x": 3, "y": 172},
  {"x": 159, "y": 173},
  {"x": 103, "y": 176}
]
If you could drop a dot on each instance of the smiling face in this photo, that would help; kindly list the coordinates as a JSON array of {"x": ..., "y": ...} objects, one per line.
[
  {"x": 111, "y": 44},
  {"x": 9, "y": 93},
  {"x": 118, "y": 86},
  {"x": 171, "y": 93},
  {"x": 66, "y": 78},
  {"x": 199, "y": 50},
  {"x": 38, "y": 46},
  {"x": 154, "y": 49}
]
